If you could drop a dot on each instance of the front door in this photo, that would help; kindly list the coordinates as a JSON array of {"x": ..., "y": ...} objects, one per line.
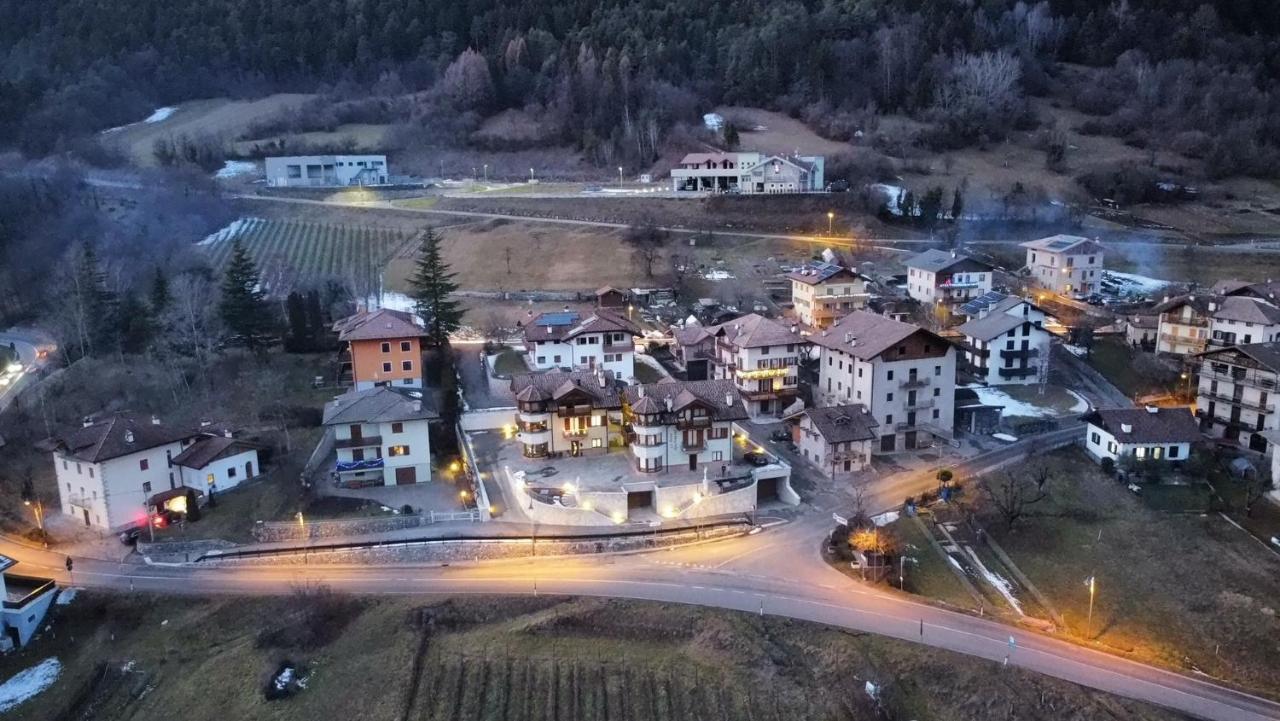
[
  {"x": 356, "y": 433},
  {"x": 693, "y": 461},
  {"x": 887, "y": 442},
  {"x": 85, "y": 511},
  {"x": 909, "y": 439},
  {"x": 575, "y": 448},
  {"x": 406, "y": 476},
  {"x": 248, "y": 470}
]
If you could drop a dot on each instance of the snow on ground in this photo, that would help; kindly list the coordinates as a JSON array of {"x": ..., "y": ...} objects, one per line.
[
  {"x": 717, "y": 275},
  {"x": 885, "y": 518},
  {"x": 236, "y": 168},
  {"x": 648, "y": 360},
  {"x": 1004, "y": 437},
  {"x": 1140, "y": 283},
  {"x": 234, "y": 228},
  {"x": 156, "y": 116},
  {"x": 1082, "y": 405},
  {"x": 1075, "y": 350},
  {"x": 892, "y": 194},
  {"x": 1000, "y": 584},
  {"x": 27, "y": 683},
  {"x": 1012, "y": 406},
  {"x": 66, "y": 596}
]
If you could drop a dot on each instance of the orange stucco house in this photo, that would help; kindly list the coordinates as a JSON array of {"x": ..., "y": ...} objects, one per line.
[{"x": 385, "y": 346}]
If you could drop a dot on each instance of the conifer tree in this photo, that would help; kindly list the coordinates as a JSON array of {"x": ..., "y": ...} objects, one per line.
[
  {"x": 159, "y": 297},
  {"x": 431, "y": 288},
  {"x": 243, "y": 306}
]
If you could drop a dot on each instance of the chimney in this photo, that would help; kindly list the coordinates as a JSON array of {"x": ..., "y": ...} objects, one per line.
[
  {"x": 226, "y": 432},
  {"x": 128, "y": 436},
  {"x": 1152, "y": 409},
  {"x": 667, "y": 401},
  {"x": 1126, "y": 428},
  {"x": 155, "y": 420},
  {"x": 728, "y": 399},
  {"x": 601, "y": 378},
  {"x": 640, "y": 392},
  {"x": 795, "y": 329},
  {"x": 205, "y": 424},
  {"x": 417, "y": 406},
  {"x": 86, "y": 421},
  {"x": 953, "y": 252},
  {"x": 566, "y": 308}
]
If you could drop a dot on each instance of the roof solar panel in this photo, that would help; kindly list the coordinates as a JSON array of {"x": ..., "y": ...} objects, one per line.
[
  {"x": 558, "y": 319},
  {"x": 1060, "y": 244}
]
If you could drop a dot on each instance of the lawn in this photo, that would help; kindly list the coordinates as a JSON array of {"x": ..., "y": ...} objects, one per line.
[
  {"x": 1191, "y": 592},
  {"x": 927, "y": 573},
  {"x": 1129, "y": 370},
  {"x": 646, "y": 373},
  {"x": 147, "y": 657},
  {"x": 510, "y": 362}
]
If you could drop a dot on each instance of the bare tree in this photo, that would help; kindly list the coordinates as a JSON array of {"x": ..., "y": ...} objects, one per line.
[
  {"x": 647, "y": 241},
  {"x": 1011, "y": 493}
]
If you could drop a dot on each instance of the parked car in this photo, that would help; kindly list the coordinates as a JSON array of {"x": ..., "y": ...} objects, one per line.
[
  {"x": 130, "y": 536},
  {"x": 780, "y": 436},
  {"x": 756, "y": 458}
]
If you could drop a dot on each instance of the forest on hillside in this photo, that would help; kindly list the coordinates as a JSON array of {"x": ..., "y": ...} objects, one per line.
[{"x": 611, "y": 77}]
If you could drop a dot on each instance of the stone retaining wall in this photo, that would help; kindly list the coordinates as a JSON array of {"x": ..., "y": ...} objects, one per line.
[{"x": 336, "y": 528}]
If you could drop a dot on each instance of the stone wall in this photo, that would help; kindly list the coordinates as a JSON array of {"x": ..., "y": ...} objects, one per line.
[{"x": 267, "y": 532}]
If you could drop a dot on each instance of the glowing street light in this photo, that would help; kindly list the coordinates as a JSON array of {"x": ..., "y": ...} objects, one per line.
[
  {"x": 830, "y": 218},
  {"x": 619, "y": 176},
  {"x": 1091, "y": 582},
  {"x": 38, "y": 509}
]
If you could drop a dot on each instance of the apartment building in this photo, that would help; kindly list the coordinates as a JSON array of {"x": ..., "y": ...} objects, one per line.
[
  {"x": 1065, "y": 264},
  {"x": 572, "y": 341},
  {"x": 109, "y": 471},
  {"x": 381, "y": 437},
  {"x": 905, "y": 375},
  {"x": 385, "y": 348},
  {"x": 1241, "y": 320},
  {"x": 762, "y": 358},
  {"x": 317, "y": 171},
  {"x": 1236, "y": 398},
  {"x": 747, "y": 172},
  {"x": 940, "y": 276},
  {"x": 838, "y": 440},
  {"x": 683, "y": 424},
  {"x": 823, "y": 292},
  {"x": 26, "y": 601},
  {"x": 1143, "y": 434},
  {"x": 1007, "y": 344},
  {"x": 567, "y": 413},
  {"x": 1183, "y": 323}
]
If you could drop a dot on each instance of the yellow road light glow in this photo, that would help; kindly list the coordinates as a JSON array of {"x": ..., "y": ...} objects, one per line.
[{"x": 618, "y": 517}]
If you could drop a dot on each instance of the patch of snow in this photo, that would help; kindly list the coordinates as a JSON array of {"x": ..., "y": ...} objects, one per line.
[
  {"x": 717, "y": 275},
  {"x": 1141, "y": 283},
  {"x": 1082, "y": 404},
  {"x": 66, "y": 596},
  {"x": 233, "y": 229},
  {"x": 1012, "y": 407},
  {"x": 893, "y": 193},
  {"x": 955, "y": 563},
  {"x": 648, "y": 360},
  {"x": 885, "y": 518},
  {"x": 28, "y": 683},
  {"x": 1000, "y": 584},
  {"x": 1075, "y": 350},
  {"x": 160, "y": 115},
  {"x": 236, "y": 168},
  {"x": 713, "y": 121},
  {"x": 1004, "y": 437}
]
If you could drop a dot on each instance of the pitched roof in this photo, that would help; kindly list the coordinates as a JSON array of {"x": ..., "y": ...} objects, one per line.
[
  {"x": 992, "y": 325},
  {"x": 555, "y": 385},
  {"x": 1144, "y": 321},
  {"x": 820, "y": 271},
  {"x": 1268, "y": 354},
  {"x": 690, "y": 335},
  {"x": 1198, "y": 302},
  {"x": 755, "y": 331},
  {"x": 719, "y": 395},
  {"x": 1069, "y": 244},
  {"x": 1229, "y": 286},
  {"x": 1268, "y": 290},
  {"x": 1147, "y": 425},
  {"x": 866, "y": 335},
  {"x": 378, "y": 405},
  {"x": 934, "y": 260},
  {"x": 1248, "y": 310},
  {"x": 839, "y": 424},
  {"x": 377, "y": 325},
  {"x": 562, "y": 325},
  {"x": 210, "y": 448},
  {"x": 117, "y": 436}
]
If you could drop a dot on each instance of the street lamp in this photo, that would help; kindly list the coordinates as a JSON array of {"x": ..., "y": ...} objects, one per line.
[
  {"x": 1091, "y": 582},
  {"x": 530, "y": 175},
  {"x": 38, "y": 509},
  {"x": 619, "y": 176},
  {"x": 830, "y": 217},
  {"x": 486, "y": 172},
  {"x": 629, "y": 309}
]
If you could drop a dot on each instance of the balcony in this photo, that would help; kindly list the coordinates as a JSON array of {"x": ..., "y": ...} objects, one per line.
[
  {"x": 365, "y": 442},
  {"x": 1247, "y": 379},
  {"x": 1174, "y": 339},
  {"x": 1020, "y": 353},
  {"x": 693, "y": 445},
  {"x": 531, "y": 426},
  {"x": 1018, "y": 372},
  {"x": 694, "y": 422},
  {"x": 920, "y": 403},
  {"x": 917, "y": 382},
  {"x": 1252, "y": 405},
  {"x": 573, "y": 411},
  {"x": 619, "y": 347},
  {"x": 951, "y": 283},
  {"x": 579, "y": 432},
  {"x": 369, "y": 464}
]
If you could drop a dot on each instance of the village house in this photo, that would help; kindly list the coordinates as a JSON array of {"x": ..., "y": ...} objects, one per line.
[
  {"x": 1007, "y": 344},
  {"x": 939, "y": 276},
  {"x": 747, "y": 172},
  {"x": 569, "y": 340},
  {"x": 1065, "y": 264},
  {"x": 26, "y": 600},
  {"x": 385, "y": 348},
  {"x": 1236, "y": 398},
  {"x": 905, "y": 375},
  {"x": 569, "y": 413},
  {"x": 610, "y": 297},
  {"x": 679, "y": 423},
  {"x": 1148, "y": 433},
  {"x": 1183, "y": 324},
  {"x": 694, "y": 350},
  {"x": 837, "y": 439},
  {"x": 112, "y": 472},
  {"x": 1241, "y": 320},
  {"x": 380, "y": 436},
  {"x": 318, "y": 171},
  {"x": 1268, "y": 290},
  {"x": 823, "y": 292},
  {"x": 1142, "y": 330},
  {"x": 762, "y": 358},
  {"x": 217, "y": 461}
]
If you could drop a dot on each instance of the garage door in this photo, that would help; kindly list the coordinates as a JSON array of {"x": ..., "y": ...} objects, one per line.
[
  {"x": 639, "y": 499},
  {"x": 406, "y": 476},
  {"x": 766, "y": 490}
]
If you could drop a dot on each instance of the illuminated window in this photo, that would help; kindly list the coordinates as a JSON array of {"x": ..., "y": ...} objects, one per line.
[
  {"x": 398, "y": 451},
  {"x": 209, "y": 479}
]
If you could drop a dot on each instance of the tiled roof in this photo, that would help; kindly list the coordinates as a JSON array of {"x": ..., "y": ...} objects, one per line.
[
  {"x": 1147, "y": 425},
  {"x": 839, "y": 424},
  {"x": 1268, "y": 354},
  {"x": 563, "y": 325},
  {"x": 992, "y": 325},
  {"x": 210, "y": 448},
  {"x": 690, "y": 335},
  {"x": 554, "y": 385},
  {"x": 377, "y": 325},
  {"x": 755, "y": 331},
  {"x": 934, "y": 260},
  {"x": 866, "y": 335},
  {"x": 1247, "y": 310},
  {"x": 1198, "y": 302},
  {"x": 1069, "y": 244},
  {"x": 820, "y": 271},
  {"x": 114, "y": 437},
  {"x": 378, "y": 405},
  {"x": 719, "y": 395}
]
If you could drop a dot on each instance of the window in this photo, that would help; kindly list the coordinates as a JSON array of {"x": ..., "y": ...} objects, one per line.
[
  {"x": 231, "y": 472},
  {"x": 78, "y": 471},
  {"x": 937, "y": 370},
  {"x": 889, "y": 376},
  {"x": 1173, "y": 452},
  {"x": 764, "y": 350},
  {"x": 935, "y": 414},
  {"x": 386, "y": 367},
  {"x": 386, "y": 347},
  {"x": 597, "y": 443},
  {"x": 146, "y": 487},
  {"x": 1094, "y": 438},
  {"x": 542, "y": 359},
  {"x": 888, "y": 397},
  {"x": 405, "y": 346},
  {"x": 394, "y": 451},
  {"x": 597, "y": 421},
  {"x": 937, "y": 392},
  {"x": 397, "y": 428},
  {"x": 888, "y": 419},
  {"x": 1140, "y": 453},
  {"x": 209, "y": 479},
  {"x": 143, "y": 464},
  {"x": 406, "y": 365},
  {"x": 91, "y": 471},
  {"x": 64, "y": 464}
]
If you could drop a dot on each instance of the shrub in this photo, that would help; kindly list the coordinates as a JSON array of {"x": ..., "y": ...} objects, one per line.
[{"x": 1109, "y": 466}]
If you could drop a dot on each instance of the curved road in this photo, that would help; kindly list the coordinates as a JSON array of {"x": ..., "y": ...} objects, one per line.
[{"x": 739, "y": 574}]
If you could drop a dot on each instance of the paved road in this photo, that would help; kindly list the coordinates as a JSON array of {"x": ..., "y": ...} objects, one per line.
[{"x": 28, "y": 346}]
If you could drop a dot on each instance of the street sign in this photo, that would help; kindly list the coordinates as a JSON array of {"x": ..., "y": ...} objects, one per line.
[
  {"x": 69, "y": 564},
  {"x": 839, "y": 519}
]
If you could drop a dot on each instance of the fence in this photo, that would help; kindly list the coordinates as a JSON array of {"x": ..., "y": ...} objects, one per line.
[{"x": 269, "y": 531}]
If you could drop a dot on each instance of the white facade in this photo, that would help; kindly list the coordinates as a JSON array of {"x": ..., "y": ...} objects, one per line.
[
  {"x": 1226, "y": 328},
  {"x": 614, "y": 351},
  {"x": 748, "y": 173},
  {"x": 1236, "y": 398},
  {"x": 767, "y": 376},
  {"x": 833, "y": 460},
  {"x": 318, "y": 171},
  {"x": 112, "y": 494},
  {"x": 1066, "y": 264},
  {"x": 1102, "y": 444},
  {"x": 820, "y": 301},
  {"x": 223, "y": 474},
  {"x": 1019, "y": 355},
  {"x": 392, "y": 453},
  {"x": 693, "y": 441}
]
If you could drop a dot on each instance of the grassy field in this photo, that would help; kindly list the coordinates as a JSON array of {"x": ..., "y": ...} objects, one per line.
[
  {"x": 928, "y": 574},
  {"x": 1191, "y": 592},
  {"x": 510, "y": 362},
  {"x": 1129, "y": 370},
  {"x": 519, "y": 659},
  {"x": 290, "y": 253}
]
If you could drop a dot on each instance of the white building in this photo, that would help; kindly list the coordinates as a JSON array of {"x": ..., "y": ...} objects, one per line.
[
  {"x": 838, "y": 439},
  {"x": 26, "y": 600},
  {"x": 823, "y": 292},
  {"x": 1007, "y": 343},
  {"x": 217, "y": 462},
  {"x": 108, "y": 471},
  {"x": 319, "y": 171},
  {"x": 1236, "y": 398},
  {"x": 1065, "y": 264},
  {"x": 381, "y": 437},
  {"x": 762, "y": 358},
  {"x": 939, "y": 276},
  {"x": 1183, "y": 323},
  {"x": 569, "y": 340},
  {"x": 1241, "y": 320},
  {"x": 748, "y": 172},
  {"x": 686, "y": 423},
  {"x": 1144, "y": 433},
  {"x": 905, "y": 375},
  {"x": 567, "y": 413}
]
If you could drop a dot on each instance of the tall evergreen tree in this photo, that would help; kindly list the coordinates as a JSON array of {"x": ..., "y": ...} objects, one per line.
[
  {"x": 431, "y": 288},
  {"x": 134, "y": 324},
  {"x": 243, "y": 307},
  {"x": 159, "y": 298},
  {"x": 92, "y": 305},
  {"x": 957, "y": 205},
  {"x": 299, "y": 337}
]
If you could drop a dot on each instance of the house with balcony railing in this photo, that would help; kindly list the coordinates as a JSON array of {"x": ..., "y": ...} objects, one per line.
[
  {"x": 575, "y": 414},
  {"x": 759, "y": 355},
  {"x": 1069, "y": 265},
  {"x": 1183, "y": 323},
  {"x": 687, "y": 423},
  {"x": 822, "y": 292},
  {"x": 1236, "y": 398},
  {"x": 1241, "y": 320},
  {"x": 568, "y": 340},
  {"x": 939, "y": 276},
  {"x": 1007, "y": 343},
  {"x": 381, "y": 437}
]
